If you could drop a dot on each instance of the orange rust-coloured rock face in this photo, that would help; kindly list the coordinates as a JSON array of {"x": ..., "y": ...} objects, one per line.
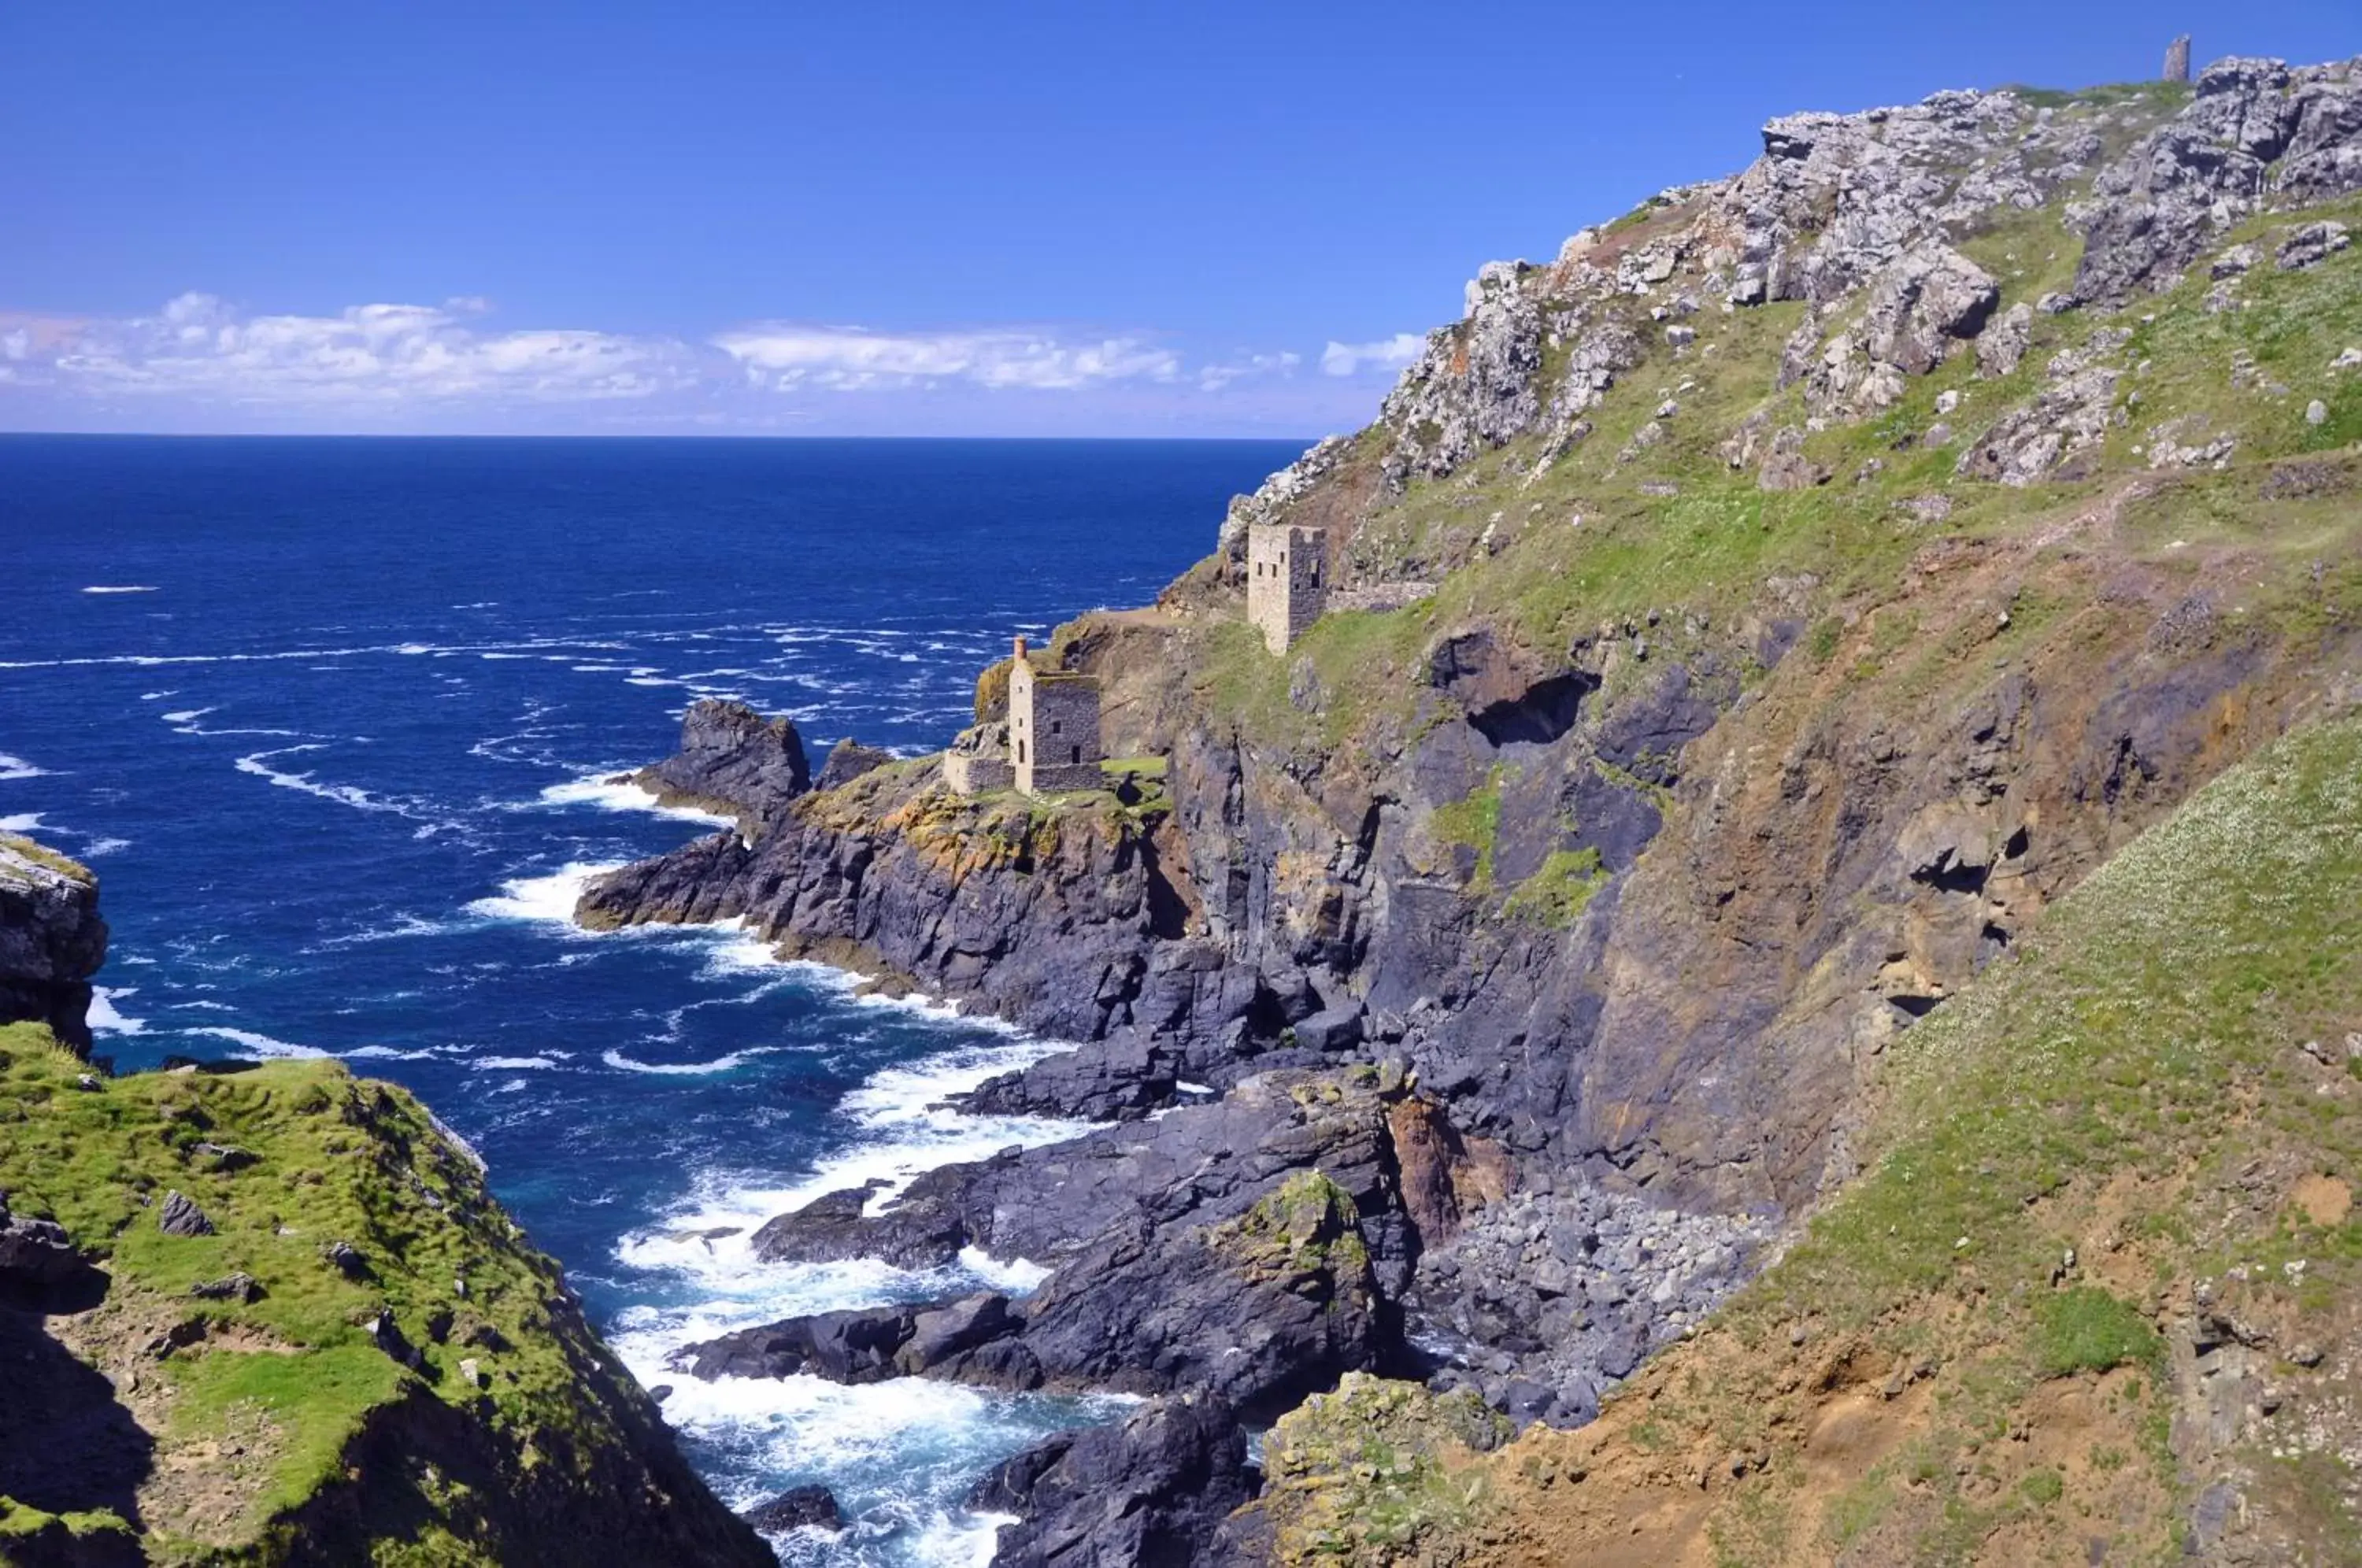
[{"x": 1444, "y": 1177}]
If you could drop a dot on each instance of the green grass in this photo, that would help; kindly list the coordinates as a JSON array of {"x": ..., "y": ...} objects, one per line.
[
  {"x": 2086, "y": 1330},
  {"x": 43, "y": 855},
  {"x": 1559, "y": 891},
  {"x": 339, "y": 1160},
  {"x": 1474, "y": 822}
]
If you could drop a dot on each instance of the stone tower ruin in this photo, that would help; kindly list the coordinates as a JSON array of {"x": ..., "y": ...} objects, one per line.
[
  {"x": 1054, "y": 728},
  {"x": 2176, "y": 60},
  {"x": 1288, "y": 580}
]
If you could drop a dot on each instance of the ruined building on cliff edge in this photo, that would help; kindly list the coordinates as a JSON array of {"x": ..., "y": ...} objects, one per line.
[
  {"x": 1286, "y": 580},
  {"x": 1054, "y": 728},
  {"x": 1050, "y": 741},
  {"x": 2176, "y": 60}
]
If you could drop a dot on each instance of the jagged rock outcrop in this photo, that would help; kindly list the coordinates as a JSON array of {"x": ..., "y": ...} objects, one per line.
[
  {"x": 2255, "y": 132},
  {"x": 1151, "y": 1490},
  {"x": 731, "y": 759},
  {"x": 848, "y": 759},
  {"x": 1248, "y": 1249},
  {"x": 51, "y": 939}
]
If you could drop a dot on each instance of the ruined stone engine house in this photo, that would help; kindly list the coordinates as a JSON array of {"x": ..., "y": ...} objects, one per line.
[{"x": 1286, "y": 580}]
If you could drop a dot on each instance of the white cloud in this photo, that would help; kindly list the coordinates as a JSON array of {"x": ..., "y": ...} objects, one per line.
[
  {"x": 1387, "y": 354},
  {"x": 1254, "y": 366},
  {"x": 198, "y": 346},
  {"x": 843, "y": 359}
]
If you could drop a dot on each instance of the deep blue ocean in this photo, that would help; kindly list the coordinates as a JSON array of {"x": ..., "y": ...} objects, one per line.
[{"x": 329, "y": 717}]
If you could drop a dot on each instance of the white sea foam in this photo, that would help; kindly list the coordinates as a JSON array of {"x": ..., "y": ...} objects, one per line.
[
  {"x": 351, "y": 795},
  {"x": 613, "y": 794},
  {"x": 23, "y": 821},
  {"x": 17, "y": 768},
  {"x": 259, "y": 1044},
  {"x": 511, "y": 1064},
  {"x": 550, "y": 897},
  {"x": 99, "y": 847},
  {"x": 718, "y": 1065},
  {"x": 122, "y": 587},
  {"x": 105, "y": 1018}
]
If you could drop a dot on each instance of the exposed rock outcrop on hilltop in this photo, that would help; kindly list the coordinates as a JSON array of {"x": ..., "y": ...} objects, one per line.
[
  {"x": 270, "y": 1314},
  {"x": 51, "y": 939},
  {"x": 1754, "y": 621}
]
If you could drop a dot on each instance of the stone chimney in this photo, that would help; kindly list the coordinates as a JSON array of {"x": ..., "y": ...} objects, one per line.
[
  {"x": 1021, "y": 650},
  {"x": 2176, "y": 60}
]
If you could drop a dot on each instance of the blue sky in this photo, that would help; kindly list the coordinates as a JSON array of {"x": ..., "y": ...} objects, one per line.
[{"x": 911, "y": 218}]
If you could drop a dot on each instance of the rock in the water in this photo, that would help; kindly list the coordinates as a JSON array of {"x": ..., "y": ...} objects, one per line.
[
  {"x": 731, "y": 759},
  {"x": 847, "y": 761},
  {"x": 803, "y": 1507},
  {"x": 833, "y": 1229},
  {"x": 179, "y": 1217},
  {"x": 1149, "y": 1492}
]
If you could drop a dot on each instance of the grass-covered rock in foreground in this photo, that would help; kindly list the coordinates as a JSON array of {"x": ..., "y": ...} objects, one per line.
[
  {"x": 2100, "y": 1276},
  {"x": 300, "y": 1331}
]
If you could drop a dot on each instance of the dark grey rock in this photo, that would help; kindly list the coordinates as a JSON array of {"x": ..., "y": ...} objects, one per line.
[
  {"x": 179, "y": 1217},
  {"x": 732, "y": 758},
  {"x": 1147, "y": 1492},
  {"x": 51, "y": 943},
  {"x": 848, "y": 760},
  {"x": 240, "y": 1287},
  {"x": 35, "y": 1253},
  {"x": 803, "y": 1508}
]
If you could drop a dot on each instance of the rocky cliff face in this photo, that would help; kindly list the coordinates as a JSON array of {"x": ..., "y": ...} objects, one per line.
[
  {"x": 51, "y": 940},
  {"x": 270, "y": 1314},
  {"x": 1756, "y": 619}
]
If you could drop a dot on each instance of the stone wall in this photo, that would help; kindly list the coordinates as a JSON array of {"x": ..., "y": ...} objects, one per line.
[
  {"x": 969, "y": 774},
  {"x": 1286, "y": 581}
]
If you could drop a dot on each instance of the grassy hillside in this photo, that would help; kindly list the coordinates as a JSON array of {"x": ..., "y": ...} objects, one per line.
[
  {"x": 2103, "y": 1254},
  {"x": 363, "y": 1360}
]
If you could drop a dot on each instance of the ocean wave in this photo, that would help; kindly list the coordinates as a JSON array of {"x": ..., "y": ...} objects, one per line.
[
  {"x": 611, "y": 793},
  {"x": 105, "y": 1018},
  {"x": 720, "y": 1065},
  {"x": 99, "y": 847},
  {"x": 511, "y": 1064},
  {"x": 261, "y": 1044},
  {"x": 120, "y": 588},
  {"x": 403, "y": 926},
  {"x": 17, "y": 768},
  {"x": 353, "y": 795},
  {"x": 549, "y": 897},
  {"x": 23, "y": 821}
]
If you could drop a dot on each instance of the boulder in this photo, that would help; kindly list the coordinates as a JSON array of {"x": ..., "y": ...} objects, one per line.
[
  {"x": 34, "y": 1252},
  {"x": 1924, "y": 304},
  {"x": 179, "y": 1217},
  {"x": 801, "y": 1508},
  {"x": 2310, "y": 246}
]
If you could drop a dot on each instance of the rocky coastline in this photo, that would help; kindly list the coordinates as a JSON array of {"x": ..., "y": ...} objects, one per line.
[{"x": 1496, "y": 984}]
